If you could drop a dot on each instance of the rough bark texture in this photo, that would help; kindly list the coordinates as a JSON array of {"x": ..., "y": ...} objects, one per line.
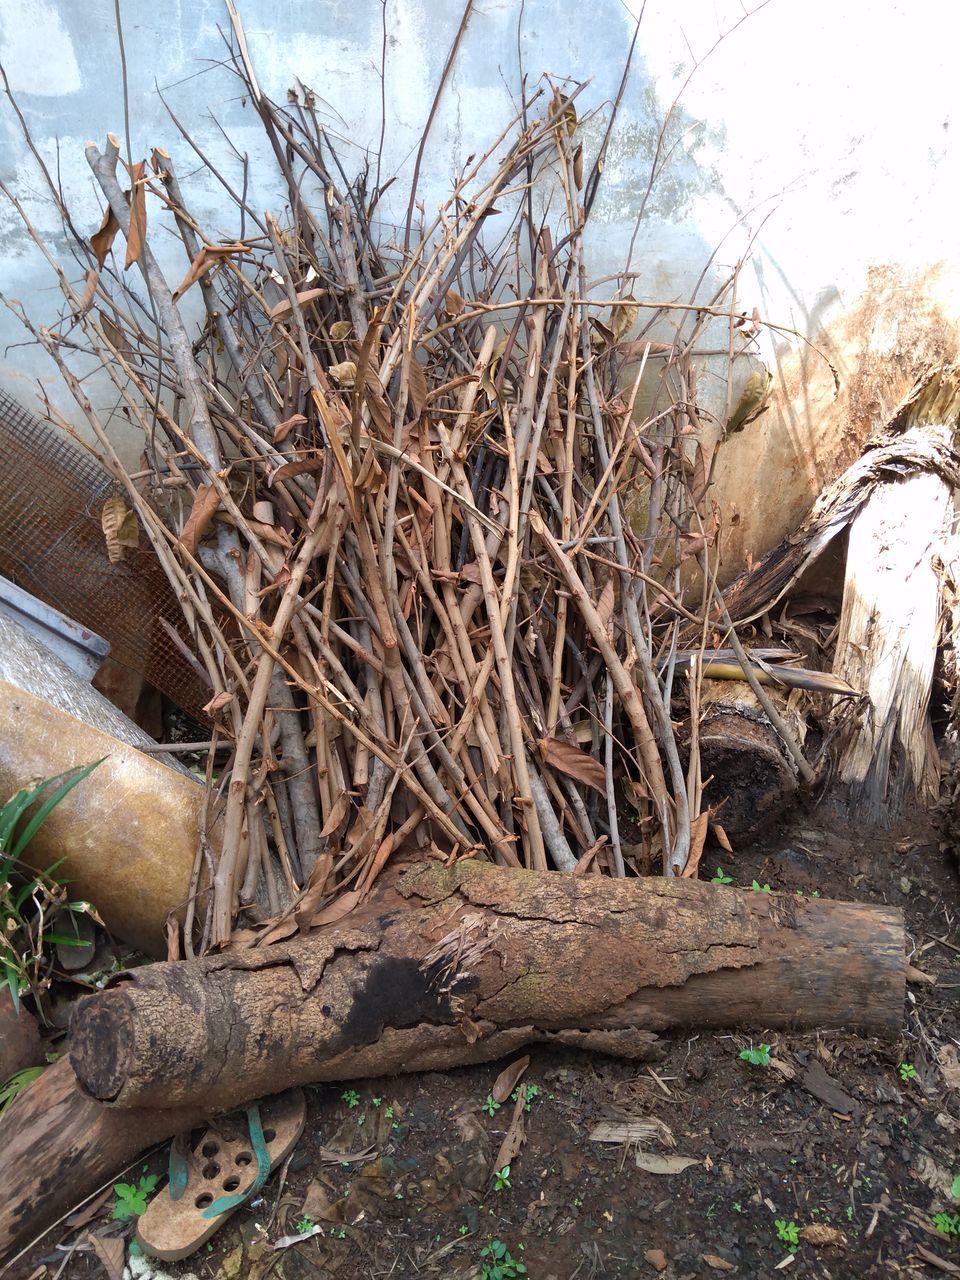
[
  {"x": 481, "y": 961},
  {"x": 58, "y": 1147},
  {"x": 456, "y": 965},
  {"x": 751, "y": 776}
]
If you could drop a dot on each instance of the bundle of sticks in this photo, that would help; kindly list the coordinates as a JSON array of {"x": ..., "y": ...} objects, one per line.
[{"x": 429, "y": 555}]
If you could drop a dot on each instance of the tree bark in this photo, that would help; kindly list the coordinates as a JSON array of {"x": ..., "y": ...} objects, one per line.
[
  {"x": 453, "y": 965},
  {"x": 482, "y": 961},
  {"x": 58, "y": 1147}
]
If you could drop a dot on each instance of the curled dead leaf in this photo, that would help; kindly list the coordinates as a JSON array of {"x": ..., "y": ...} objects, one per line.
[
  {"x": 340, "y": 330},
  {"x": 102, "y": 240},
  {"x": 205, "y": 504},
  {"x": 283, "y": 429},
  {"x": 209, "y": 255},
  {"x": 218, "y": 702},
  {"x": 818, "y": 1233},
  {"x": 284, "y": 307},
  {"x": 623, "y": 317},
  {"x": 137, "y": 232},
  {"x": 120, "y": 528},
  {"x": 344, "y": 373}
]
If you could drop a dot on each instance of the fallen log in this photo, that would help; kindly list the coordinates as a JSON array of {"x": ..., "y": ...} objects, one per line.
[
  {"x": 450, "y": 966},
  {"x": 60, "y": 1147},
  {"x": 482, "y": 961}
]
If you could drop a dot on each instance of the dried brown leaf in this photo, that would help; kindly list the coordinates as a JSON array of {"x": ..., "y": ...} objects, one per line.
[
  {"x": 513, "y": 1139},
  {"x": 217, "y": 702},
  {"x": 578, "y": 167},
  {"x": 90, "y": 289},
  {"x": 91, "y": 1210},
  {"x": 102, "y": 240},
  {"x": 205, "y": 505},
  {"x": 948, "y": 1060},
  {"x": 282, "y": 308},
  {"x": 651, "y": 1162},
  {"x": 341, "y": 807},
  {"x": 340, "y": 330},
  {"x": 115, "y": 336},
  {"x": 717, "y": 1263},
  {"x": 573, "y": 762},
  {"x": 111, "y": 1251},
  {"x": 136, "y": 236},
  {"x": 721, "y": 837},
  {"x": 819, "y": 1233},
  {"x": 338, "y": 909},
  {"x": 508, "y": 1079},
  {"x": 698, "y": 834},
  {"x": 606, "y": 602},
  {"x": 453, "y": 303},
  {"x": 344, "y": 373},
  {"x": 623, "y": 318},
  {"x": 305, "y": 466},
  {"x": 283, "y": 429},
  {"x": 119, "y": 526},
  {"x": 209, "y": 254},
  {"x": 416, "y": 386}
]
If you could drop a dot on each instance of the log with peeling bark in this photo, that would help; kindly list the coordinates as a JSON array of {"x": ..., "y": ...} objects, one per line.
[
  {"x": 59, "y": 1147},
  {"x": 449, "y": 966},
  {"x": 481, "y": 961}
]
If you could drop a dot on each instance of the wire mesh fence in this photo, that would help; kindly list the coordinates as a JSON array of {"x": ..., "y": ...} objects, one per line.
[{"x": 52, "y": 544}]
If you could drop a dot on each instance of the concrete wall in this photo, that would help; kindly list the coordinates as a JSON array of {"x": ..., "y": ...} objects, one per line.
[{"x": 823, "y": 134}]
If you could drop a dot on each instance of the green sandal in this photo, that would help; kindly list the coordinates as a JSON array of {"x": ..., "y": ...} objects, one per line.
[{"x": 225, "y": 1169}]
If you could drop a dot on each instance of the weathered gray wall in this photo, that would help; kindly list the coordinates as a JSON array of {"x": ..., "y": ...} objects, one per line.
[{"x": 825, "y": 131}]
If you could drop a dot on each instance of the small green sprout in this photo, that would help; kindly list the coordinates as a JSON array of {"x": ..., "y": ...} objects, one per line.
[
  {"x": 490, "y": 1107},
  {"x": 788, "y": 1233},
  {"x": 737, "y": 1207},
  {"x": 757, "y": 1057},
  {"x": 351, "y": 1098},
  {"x": 721, "y": 877},
  {"x": 497, "y": 1264},
  {"x": 463, "y": 1229},
  {"x": 377, "y": 1101},
  {"x": 361, "y": 1120},
  {"x": 132, "y": 1197},
  {"x": 849, "y": 1212},
  {"x": 907, "y": 1071},
  {"x": 304, "y": 1225},
  {"x": 532, "y": 1091},
  {"x": 502, "y": 1181},
  {"x": 389, "y": 1113},
  {"x": 948, "y": 1223},
  {"x": 759, "y": 888}
]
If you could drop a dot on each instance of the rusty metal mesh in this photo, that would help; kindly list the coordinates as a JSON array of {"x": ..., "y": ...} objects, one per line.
[{"x": 52, "y": 544}]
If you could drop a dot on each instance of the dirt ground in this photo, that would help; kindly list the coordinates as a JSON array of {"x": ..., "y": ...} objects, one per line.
[{"x": 394, "y": 1176}]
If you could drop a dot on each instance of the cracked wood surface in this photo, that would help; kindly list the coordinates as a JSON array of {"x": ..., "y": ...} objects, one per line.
[{"x": 466, "y": 963}]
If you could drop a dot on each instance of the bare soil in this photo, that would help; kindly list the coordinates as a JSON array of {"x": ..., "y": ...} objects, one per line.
[{"x": 401, "y": 1182}]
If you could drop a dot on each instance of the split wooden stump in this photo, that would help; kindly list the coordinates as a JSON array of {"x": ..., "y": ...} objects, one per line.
[{"x": 448, "y": 966}]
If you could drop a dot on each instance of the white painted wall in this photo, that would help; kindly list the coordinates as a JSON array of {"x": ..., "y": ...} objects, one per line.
[{"x": 826, "y": 130}]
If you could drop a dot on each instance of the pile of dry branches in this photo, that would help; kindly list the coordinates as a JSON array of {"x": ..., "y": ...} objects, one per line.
[{"x": 430, "y": 563}]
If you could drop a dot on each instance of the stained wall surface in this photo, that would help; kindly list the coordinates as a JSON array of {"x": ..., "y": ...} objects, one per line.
[{"x": 820, "y": 138}]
